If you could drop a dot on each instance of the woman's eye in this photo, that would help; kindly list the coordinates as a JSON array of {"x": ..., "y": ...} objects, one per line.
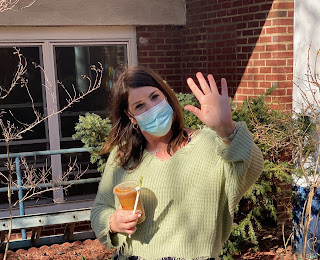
[
  {"x": 139, "y": 106},
  {"x": 155, "y": 96}
]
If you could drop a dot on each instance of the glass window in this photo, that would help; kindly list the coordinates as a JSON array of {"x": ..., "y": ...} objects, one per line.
[
  {"x": 74, "y": 62},
  {"x": 17, "y": 104},
  {"x": 66, "y": 62}
]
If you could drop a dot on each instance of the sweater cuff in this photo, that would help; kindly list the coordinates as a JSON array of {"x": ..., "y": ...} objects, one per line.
[
  {"x": 114, "y": 240},
  {"x": 240, "y": 147}
]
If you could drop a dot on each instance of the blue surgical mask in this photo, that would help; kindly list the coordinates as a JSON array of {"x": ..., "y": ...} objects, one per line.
[{"x": 157, "y": 120}]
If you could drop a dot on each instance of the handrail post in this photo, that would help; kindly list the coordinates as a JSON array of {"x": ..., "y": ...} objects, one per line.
[{"x": 20, "y": 193}]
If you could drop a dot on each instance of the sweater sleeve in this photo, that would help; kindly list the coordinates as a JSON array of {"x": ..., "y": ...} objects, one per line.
[
  {"x": 243, "y": 163},
  {"x": 104, "y": 207}
]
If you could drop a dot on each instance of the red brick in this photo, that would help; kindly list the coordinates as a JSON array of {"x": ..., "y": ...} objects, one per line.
[
  {"x": 290, "y": 47},
  {"x": 290, "y": 13},
  {"x": 276, "y": 77},
  {"x": 273, "y": 30},
  {"x": 252, "y": 24},
  {"x": 259, "y": 77},
  {"x": 276, "y": 47},
  {"x": 263, "y": 39},
  {"x": 276, "y": 62},
  {"x": 282, "y": 22},
  {"x": 265, "y": 84},
  {"x": 147, "y": 60},
  {"x": 282, "y": 69},
  {"x": 287, "y": 54},
  {"x": 282, "y": 5},
  {"x": 247, "y": 77},
  {"x": 282, "y": 38},
  {"x": 277, "y": 13},
  {"x": 265, "y": 7},
  {"x": 266, "y": 23},
  {"x": 259, "y": 63},
  {"x": 259, "y": 48},
  {"x": 248, "y": 91},
  {"x": 259, "y": 91},
  {"x": 289, "y": 77},
  {"x": 255, "y": 55},
  {"x": 265, "y": 70},
  {"x": 240, "y": 98},
  {"x": 265, "y": 55},
  {"x": 283, "y": 99}
]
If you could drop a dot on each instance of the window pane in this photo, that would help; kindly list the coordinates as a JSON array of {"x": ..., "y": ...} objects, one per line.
[
  {"x": 17, "y": 105},
  {"x": 71, "y": 64}
]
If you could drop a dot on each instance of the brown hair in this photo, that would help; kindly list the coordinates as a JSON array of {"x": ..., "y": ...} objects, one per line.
[{"x": 129, "y": 142}]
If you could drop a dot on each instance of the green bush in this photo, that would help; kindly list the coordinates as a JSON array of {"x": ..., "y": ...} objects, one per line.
[{"x": 93, "y": 132}]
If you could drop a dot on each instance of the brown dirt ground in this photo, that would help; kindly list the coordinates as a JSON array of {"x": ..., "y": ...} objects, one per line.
[{"x": 271, "y": 247}]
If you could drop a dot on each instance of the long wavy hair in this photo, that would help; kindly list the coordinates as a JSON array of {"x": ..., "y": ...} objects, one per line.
[{"x": 130, "y": 142}]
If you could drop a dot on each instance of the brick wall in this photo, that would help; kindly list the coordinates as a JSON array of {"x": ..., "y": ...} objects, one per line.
[{"x": 249, "y": 42}]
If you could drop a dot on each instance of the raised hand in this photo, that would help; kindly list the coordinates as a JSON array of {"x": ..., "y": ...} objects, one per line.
[{"x": 215, "y": 111}]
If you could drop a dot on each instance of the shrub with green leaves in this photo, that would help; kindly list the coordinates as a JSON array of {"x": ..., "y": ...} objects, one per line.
[{"x": 93, "y": 132}]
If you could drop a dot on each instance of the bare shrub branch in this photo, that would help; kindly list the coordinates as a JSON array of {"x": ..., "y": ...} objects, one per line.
[{"x": 13, "y": 5}]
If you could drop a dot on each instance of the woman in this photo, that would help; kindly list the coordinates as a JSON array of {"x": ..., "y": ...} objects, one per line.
[{"x": 192, "y": 180}]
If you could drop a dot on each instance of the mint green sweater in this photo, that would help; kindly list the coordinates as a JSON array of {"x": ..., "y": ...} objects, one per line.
[{"x": 189, "y": 199}]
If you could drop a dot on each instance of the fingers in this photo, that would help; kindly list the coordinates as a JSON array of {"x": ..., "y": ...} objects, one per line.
[
  {"x": 224, "y": 87},
  {"x": 213, "y": 84},
  {"x": 205, "y": 87},
  {"x": 194, "y": 88},
  {"x": 125, "y": 221},
  {"x": 127, "y": 216},
  {"x": 203, "y": 83},
  {"x": 194, "y": 110}
]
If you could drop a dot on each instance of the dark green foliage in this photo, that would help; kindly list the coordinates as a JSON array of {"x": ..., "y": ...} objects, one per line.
[{"x": 191, "y": 121}]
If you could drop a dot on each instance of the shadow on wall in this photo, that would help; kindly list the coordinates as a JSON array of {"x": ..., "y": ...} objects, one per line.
[
  {"x": 219, "y": 37},
  {"x": 232, "y": 29}
]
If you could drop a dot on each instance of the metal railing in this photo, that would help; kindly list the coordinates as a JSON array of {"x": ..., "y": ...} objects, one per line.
[{"x": 20, "y": 187}]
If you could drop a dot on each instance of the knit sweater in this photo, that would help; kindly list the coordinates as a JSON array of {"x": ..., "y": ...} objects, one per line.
[{"x": 189, "y": 199}]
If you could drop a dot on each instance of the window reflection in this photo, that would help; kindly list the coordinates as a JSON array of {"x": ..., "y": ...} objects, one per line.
[{"x": 74, "y": 61}]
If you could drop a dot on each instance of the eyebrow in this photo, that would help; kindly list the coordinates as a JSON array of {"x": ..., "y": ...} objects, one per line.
[{"x": 152, "y": 93}]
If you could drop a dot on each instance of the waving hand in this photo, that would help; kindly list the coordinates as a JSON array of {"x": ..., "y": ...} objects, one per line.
[{"x": 215, "y": 109}]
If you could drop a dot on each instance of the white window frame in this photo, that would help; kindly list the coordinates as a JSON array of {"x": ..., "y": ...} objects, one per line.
[{"x": 48, "y": 38}]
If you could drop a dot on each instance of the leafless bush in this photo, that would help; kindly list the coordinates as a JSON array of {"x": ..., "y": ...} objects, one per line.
[
  {"x": 307, "y": 147},
  {"x": 15, "y": 5}
]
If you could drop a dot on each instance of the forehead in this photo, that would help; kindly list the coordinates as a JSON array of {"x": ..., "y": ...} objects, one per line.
[{"x": 141, "y": 93}]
